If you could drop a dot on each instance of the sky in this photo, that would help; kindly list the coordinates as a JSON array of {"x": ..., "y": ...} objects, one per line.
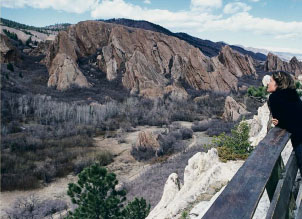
[{"x": 275, "y": 25}]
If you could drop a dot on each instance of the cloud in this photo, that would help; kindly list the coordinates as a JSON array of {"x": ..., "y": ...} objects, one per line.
[
  {"x": 254, "y": 0},
  {"x": 180, "y": 19},
  {"x": 288, "y": 36},
  {"x": 235, "y": 7},
  {"x": 197, "y": 20},
  {"x": 75, "y": 6},
  {"x": 205, "y": 4},
  {"x": 147, "y": 1}
]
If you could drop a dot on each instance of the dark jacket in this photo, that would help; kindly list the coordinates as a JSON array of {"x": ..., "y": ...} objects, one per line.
[{"x": 286, "y": 106}]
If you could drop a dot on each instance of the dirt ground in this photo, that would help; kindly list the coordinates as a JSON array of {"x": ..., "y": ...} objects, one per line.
[{"x": 124, "y": 165}]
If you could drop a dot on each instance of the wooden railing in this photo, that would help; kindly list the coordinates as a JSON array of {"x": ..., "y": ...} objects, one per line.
[{"x": 264, "y": 169}]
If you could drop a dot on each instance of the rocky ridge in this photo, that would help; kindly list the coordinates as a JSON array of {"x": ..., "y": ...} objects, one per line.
[
  {"x": 274, "y": 63},
  {"x": 147, "y": 61}
]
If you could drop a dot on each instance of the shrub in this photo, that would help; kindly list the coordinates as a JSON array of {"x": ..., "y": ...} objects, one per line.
[
  {"x": 104, "y": 158},
  {"x": 10, "y": 67},
  {"x": 201, "y": 126},
  {"x": 218, "y": 126},
  {"x": 33, "y": 207},
  {"x": 186, "y": 133},
  {"x": 259, "y": 93},
  {"x": 143, "y": 153},
  {"x": 96, "y": 197},
  {"x": 137, "y": 209},
  {"x": 235, "y": 146}
]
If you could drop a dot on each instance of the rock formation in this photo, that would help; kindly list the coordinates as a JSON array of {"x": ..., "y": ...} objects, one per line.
[
  {"x": 147, "y": 139},
  {"x": 147, "y": 61},
  {"x": 8, "y": 52},
  {"x": 233, "y": 110},
  {"x": 203, "y": 176},
  {"x": 274, "y": 63},
  {"x": 259, "y": 125},
  {"x": 236, "y": 63}
]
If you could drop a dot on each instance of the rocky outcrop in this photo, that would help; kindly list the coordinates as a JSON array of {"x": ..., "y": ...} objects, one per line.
[
  {"x": 274, "y": 63},
  {"x": 236, "y": 63},
  {"x": 8, "y": 52},
  {"x": 62, "y": 65},
  {"x": 147, "y": 139},
  {"x": 260, "y": 124},
  {"x": 65, "y": 72},
  {"x": 203, "y": 176},
  {"x": 233, "y": 110},
  {"x": 147, "y": 61},
  {"x": 295, "y": 66}
]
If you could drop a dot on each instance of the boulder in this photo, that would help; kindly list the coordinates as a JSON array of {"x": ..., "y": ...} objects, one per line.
[{"x": 233, "y": 110}]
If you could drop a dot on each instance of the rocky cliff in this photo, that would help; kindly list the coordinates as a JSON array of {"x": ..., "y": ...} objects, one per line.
[
  {"x": 8, "y": 51},
  {"x": 148, "y": 62},
  {"x": 274, "y": 63}
]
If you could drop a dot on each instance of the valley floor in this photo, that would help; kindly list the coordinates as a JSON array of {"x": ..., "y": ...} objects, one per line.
[{"x": 124, "y": 165}]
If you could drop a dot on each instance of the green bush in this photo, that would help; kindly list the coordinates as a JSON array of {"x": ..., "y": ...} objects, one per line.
[
  {"x": 96, "y": 197},
  {"x": 258, "y": 92},
  {"x": 10, "y": 67},
  {"x": 104, "y": 158},
  {"x": 236, "y": 146},
  {"x": 299, "y": 88}
]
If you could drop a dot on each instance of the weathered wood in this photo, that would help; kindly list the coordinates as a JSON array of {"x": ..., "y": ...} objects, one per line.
[
  {"x": 299, "y": 214},
  {"x": 274, "y": 179},
  {"x": 281, "y": 200},
  {"x": 241, "y": 196}
]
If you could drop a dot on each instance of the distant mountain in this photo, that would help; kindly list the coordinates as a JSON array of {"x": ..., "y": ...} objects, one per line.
[
  {"x": 208, "y": 47},
  {"x": 24, "y": 27},
  {"x": 285, "y": 56}
]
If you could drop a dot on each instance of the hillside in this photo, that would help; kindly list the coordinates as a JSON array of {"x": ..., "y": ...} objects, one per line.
[{"x": 208, "y": 47}]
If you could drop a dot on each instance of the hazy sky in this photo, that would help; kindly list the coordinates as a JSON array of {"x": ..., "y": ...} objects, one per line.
[{"x": 271, "y": 24}]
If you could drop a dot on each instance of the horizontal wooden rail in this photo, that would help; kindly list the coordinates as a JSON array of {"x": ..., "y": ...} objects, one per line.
[{"x": 241, "y": 196}]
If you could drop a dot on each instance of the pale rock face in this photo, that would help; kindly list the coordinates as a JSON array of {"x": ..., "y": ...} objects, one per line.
[
  {"x": 202, "y": 207},
  {"x": 203, "y": 176},
  {"x": 233, "y": 110},
  {"x": 64, "y": 73},
  {"x": 111, "y": 64},
  {"x": 259, "y": 125}
]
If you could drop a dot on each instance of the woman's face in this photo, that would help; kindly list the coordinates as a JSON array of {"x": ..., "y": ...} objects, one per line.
[{"x": 272, "y": 86}]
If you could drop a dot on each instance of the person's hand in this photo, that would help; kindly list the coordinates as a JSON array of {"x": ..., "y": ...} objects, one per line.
[{"x": 275, "y": 121}]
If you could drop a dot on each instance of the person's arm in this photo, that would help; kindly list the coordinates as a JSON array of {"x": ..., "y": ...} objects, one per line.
[{"x": 278, "y": 110}]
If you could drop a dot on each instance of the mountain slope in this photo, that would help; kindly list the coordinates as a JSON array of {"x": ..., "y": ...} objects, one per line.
[{"x": 208, "y": 47}]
